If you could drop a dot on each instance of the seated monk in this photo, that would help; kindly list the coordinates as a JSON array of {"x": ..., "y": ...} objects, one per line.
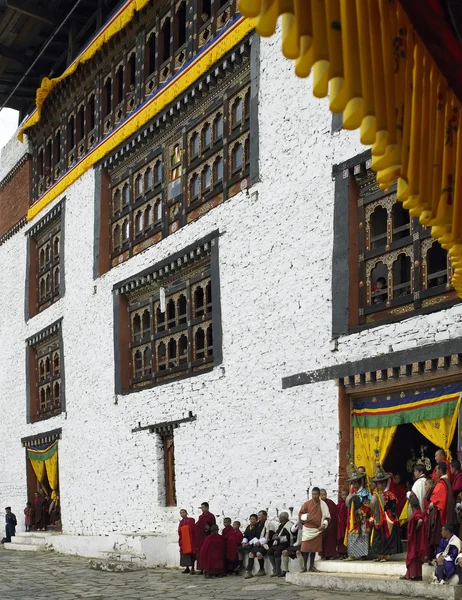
[{"x": 213, "y": 554}]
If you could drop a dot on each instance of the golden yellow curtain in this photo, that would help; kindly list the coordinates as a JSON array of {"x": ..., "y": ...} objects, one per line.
[
  {"x": 440, "y": 431},
  {"x": 366, "y": 56},
  {"x": 40, "y": 471},
  {"x": 369, "y": 439},
  {"x": 51, "y": 465}
]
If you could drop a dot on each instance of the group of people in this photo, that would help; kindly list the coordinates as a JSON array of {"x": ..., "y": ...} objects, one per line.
[
  {"x": 368, "y": 522},
  {"x": 379, "y": 510},
  {"x": 44, "y": 511}
]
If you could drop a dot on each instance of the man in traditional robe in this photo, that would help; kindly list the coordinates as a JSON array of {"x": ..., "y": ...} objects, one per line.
[
  {"x": 10, "y": 525},
  {"x": 386, "y": 537},
  {"x": 186, "y": 541},
  {"x": 280, "y": 541},
  {"x": 418, "y": 487},
  {"x": 446, "y": 554},
  {"x": 342, "y": 517},
  {"x": 202, "y": 530},
  {"x": 315, "y": 517},
  {"x": 293, "y": 551},
  {"x": 442, "y": 500},
  {"x": 456, "y": 475},
  {"x": 260, "y": 544},
  {"x": 417, "y": 544},
  {"x": 213, "y": 553},
  {"x": 233, "y": 539},
  {"x": 329, "y": 535},
  {"x": 440, "y": 456},
  {"x": 246, "y": 547}
]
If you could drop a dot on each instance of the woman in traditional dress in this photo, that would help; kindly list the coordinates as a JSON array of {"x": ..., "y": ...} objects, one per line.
[{"x": 186, "y": 541}]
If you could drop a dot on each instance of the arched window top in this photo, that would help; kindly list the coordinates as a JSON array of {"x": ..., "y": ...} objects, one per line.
[
  {"x": 148, "y": 179},
  {"x": 206, "y": 179},
  {"x": 117, "y": 200},
  {"x": 139, "y": 222},
  {"x": 139, "y": 185},
  {"x": 402, "y": 285},
  {"x": 194, "y": 187},
  {"x": 148, "y": 216},
  {"x": 237, "y": 157},
  {"x": 146, "y": 322},
  {"x": 236, "y": 112},
  {"x": 194, "y": 146},
  {"x": 379, "y": 284},
  {"x": 218, "y": 127},
  {"x": 218, "y": 169},
  {"x": 125, "y": 230},
  {"x": 158, "y": 172},
  {"x": 206, "y": 136},
  {"x": 378, "y": 227},
  {"x": 125, "y": 194}
]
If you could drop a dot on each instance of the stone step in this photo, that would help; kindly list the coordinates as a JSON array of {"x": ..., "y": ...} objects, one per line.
[
  {"x": 25, "y": 547},
  {"x": 123, "y": 557},
  {"x": 22, "y": 539},
  {"x": 385, "y": 585},
  {"x": 391, "y": 568}
]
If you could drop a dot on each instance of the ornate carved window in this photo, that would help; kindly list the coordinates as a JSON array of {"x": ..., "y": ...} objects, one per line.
[
  {"x": 400, "y": 267},
  {"x": 200, "y": 165},
  {"x": 45, "y": 374},
  {"x": 45, "y": 274},
  {"x": 168, "y": 317}
]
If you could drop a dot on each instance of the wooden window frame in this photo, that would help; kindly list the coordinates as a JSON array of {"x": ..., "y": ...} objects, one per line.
[
  {"x": 43, "y": 347},
  {"x": 180, "y": 275}
]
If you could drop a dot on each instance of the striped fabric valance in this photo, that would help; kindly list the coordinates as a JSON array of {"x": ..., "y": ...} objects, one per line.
[
  {"x": 367, "y": 57},
  {"x": 410, "y": 409},
  {"x": 42, "y": 452}
]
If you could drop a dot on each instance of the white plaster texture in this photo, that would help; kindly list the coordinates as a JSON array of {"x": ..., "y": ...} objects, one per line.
[{"x": 253, "y": 444}]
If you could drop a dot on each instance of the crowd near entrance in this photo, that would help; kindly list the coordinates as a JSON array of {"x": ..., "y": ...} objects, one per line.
[{"x": 43, "y": 509}]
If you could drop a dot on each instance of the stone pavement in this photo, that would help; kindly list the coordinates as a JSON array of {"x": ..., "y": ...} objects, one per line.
[{"x": 50, "y": 576}]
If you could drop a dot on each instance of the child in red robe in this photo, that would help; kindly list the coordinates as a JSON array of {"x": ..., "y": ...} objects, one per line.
[
  {"x": 233, "y": 539},
  {"x": 417, "y": 544},
  {"x": 213, "y": 554},
  {"x": 342, "y": 515}
]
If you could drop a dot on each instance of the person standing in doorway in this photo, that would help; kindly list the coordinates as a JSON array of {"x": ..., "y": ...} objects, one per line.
[
  {"x": 442, "y": 503},
  {"x": 28, "y": 514},
  {"x": 456, "y": 475},
  {"x": 440, "y": 457},
  {"x": 329, "y": 536},
  {"x": 10, "y": 525},
  {"x": 315, "y": 516},
  {"x": 186, "y": 541},
  {"x": 202, "y": 530}
]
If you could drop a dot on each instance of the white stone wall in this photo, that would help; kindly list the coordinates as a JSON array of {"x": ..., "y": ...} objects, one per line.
[
  {"x": 11, "y": 154},
  {"x": 253, "y": 445}
]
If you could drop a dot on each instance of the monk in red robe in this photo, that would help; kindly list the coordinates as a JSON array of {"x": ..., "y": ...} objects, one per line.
[
  {"x": 342, "y": 515},
  {"x": 202, "y": 530},
  {"x": 400, "y": 491},
  {"x": 442, "y": 505},
  {"x": 213, "y": 554},
  {"x": 233, "y": 539},
  {"x": 440, "y": 456},
  {"x": 417, "y": 546},
  {"x": 186, "y": 541},
  {"x": 456, "y": 474},
  {"x": 329, "y": 535}
]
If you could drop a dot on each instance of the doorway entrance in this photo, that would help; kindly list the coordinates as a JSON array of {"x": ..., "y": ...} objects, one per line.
[{"x": 42, "y": 468}]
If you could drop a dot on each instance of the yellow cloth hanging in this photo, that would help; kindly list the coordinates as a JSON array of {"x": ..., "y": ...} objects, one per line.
[
  {"x": 404, "y": 516},
  {"x": 51, "y": 465},
  {"x": 367, "y": 57},
  {"x": 440, "y": 431},
  {"x": 40, "y": 472},
  {"x": 369, "y": 439}
]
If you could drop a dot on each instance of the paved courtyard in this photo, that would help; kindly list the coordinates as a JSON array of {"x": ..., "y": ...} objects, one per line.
[{"x": 49, "y": 576}]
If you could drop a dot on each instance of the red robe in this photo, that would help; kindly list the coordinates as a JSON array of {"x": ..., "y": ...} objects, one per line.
[
  {"x": 200, "y": 534},
  {"x": 329, "y": 536},
  {"x": 417, "y": 545},
  {"x": 439, "y": 498},
  {"x": 213, "y": 555},
  {"x": 186, "y": 535},
  {"x": 342, "y": 515},
  {"x": 457, "y": 484},
  {"x": 400, "y": 493},
  {"x": 434, "y": 476},
  {"x": 233, "y": 539}
]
